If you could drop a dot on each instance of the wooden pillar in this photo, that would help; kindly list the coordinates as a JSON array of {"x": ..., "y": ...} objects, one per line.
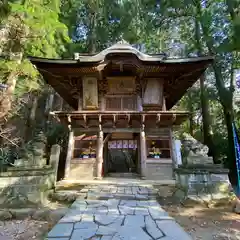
[
  {"x": 99, "y": 159},
  {"x": 102, "y": 103},
  {"x": 69, "y": 153},
  {"x": 173, "y": 151},
  {"x": 54, "y": 160},
  {"x": 164, "y": 104},
  {"x": 143, "y": 152},
  {"x": 79, "y": 103}
]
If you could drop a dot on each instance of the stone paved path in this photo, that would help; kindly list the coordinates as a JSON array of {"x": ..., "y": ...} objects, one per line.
[{"x": 115, "y": 212}]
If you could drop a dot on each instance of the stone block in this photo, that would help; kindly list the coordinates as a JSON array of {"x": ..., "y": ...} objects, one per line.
[
  {"x": 141, "y": 211},
  {"x": 5, "y": 215},
  {"x": 129, "y": 203},
  {"x": 144, "y": 203},
  {"x": 105, "y": 220},
  {"x": 56, "y": 238},
  {"x": 141, "y": 197},
  {"x": 22, "y": 213},
  {"x": 125, "y": 210},
  {"x": 71, "y": 217},
  {"x": 80, "y": 171},
  {"x": 117, "y": 222},
  {"x": 152, "y": 228},
  {"x": 131, "y": 233},
  {"x": 106, "y": 238},
  {"x": 61, "y": 230},
  {"x": 87, "y": 233},
  {"x": 172, "y": 230},
  {"x": 79, "y": 205},
  {"x": 104, "y": 230},
  {"x": 159, "y": 171},
  {"x": 157, "y": 212},
  {"x": 134, "y": 221},
  {"x": 85, "y": 225},
  {"x": 112, "y": 202}
]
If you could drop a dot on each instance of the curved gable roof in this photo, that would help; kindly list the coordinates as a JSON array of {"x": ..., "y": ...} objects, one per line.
[{"x": 178, "y": 74}]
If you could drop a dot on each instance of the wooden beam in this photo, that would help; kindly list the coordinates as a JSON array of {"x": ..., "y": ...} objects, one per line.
[
  {"x": 174, "y": 117},
  {"x": 85, "y": 118},
  {"x": 114, "y": 120},
  {"x": 69, "y": 119},
  {"x": 106, "y": 138},
  {"x": 143, "y": 152},
  {"x": 69, "y": 154},
  {"x": 99, "y": 157},
  {"x": 69, "y": 122},
  {"x": 129, "y": 120},
  {"x": 143, "y": 118},
  {"x": 158, "y": 118},
  {"x": 100, "y": 118}
]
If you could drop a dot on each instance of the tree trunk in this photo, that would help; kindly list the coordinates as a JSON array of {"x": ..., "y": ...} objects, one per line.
[
  {"x": 7, "y": 96},
  {"x": 92, "y": 38},
  {"x": 206, "y": 119},
  {"x": 191, "y": 111},
  {"x": 206, "y": 122},
  {"x": 231, "y": 163},
  {"x": 48, "y": 108},
  {"x": 30, "y": 124},
  {"x": 225, "y": 94}
]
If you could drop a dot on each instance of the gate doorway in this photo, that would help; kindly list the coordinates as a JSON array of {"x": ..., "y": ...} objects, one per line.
[{"x": 122, "y": 154}]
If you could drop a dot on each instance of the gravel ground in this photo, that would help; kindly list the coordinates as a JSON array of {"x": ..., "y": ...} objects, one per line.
[
  {"x": 32, "y": 229},
  {"x": 23, "y": 230},
  {"x": 202, "y": 222},
  {"x": 207, "y": 224}
]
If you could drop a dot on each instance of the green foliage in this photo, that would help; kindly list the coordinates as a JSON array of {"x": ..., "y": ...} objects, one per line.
[
  {"x": 47, "y": 35},
  {"x": 56, "y": 134}
]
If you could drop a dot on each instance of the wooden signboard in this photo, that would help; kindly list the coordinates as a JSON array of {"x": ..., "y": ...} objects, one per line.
[
  {"x": 118, "y": 85},
  {"x": 154, "y": 92},
  {"x": 90, "y": 93}
]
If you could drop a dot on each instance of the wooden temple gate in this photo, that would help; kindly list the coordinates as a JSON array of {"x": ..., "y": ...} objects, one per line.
[{"x": 121, "y": 101}]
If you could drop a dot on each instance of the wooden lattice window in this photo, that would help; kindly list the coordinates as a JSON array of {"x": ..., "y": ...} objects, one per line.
[{"x": 121, "y": 103}]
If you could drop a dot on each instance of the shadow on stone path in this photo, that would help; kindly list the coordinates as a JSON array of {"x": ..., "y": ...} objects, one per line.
[{"x": 117, "y": 212}]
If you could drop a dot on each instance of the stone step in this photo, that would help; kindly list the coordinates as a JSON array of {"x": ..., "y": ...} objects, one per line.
[
  {"x": 124, "y": 175},
  {"x": 69, "y": 196},
  {"x": 95, "y": 196}
]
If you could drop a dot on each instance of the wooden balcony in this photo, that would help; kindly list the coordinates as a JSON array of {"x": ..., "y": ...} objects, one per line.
[{"x": 120, "y": 119}]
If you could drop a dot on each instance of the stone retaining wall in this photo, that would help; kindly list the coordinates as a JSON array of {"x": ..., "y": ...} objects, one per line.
[
  {"x": 159, "y": 170},
  {"x": 208, "y": 181},
  {"x": 82, "y": 169},
  {"x": 29, "y": 184}
]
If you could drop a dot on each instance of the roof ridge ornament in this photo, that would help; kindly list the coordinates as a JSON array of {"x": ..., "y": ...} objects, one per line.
[{"x": 123, "y": 41}]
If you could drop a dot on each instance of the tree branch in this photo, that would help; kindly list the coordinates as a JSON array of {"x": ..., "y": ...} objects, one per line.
[{"x": 9, "y": 140}]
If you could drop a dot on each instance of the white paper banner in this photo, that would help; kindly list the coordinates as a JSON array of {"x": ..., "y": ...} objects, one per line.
[{"x": 236, "y": 95}]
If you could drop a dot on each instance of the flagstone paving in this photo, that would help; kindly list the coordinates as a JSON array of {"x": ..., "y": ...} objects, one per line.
[{"x": 113, "y": 212}]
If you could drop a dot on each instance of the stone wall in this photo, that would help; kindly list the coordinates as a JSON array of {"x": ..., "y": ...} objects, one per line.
[
  {"x": 157, "y": 170},
  {"x": 208, "y": 182},
  {"x": 25, "y": 184},
  {"x": 82, "y": 169}
]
